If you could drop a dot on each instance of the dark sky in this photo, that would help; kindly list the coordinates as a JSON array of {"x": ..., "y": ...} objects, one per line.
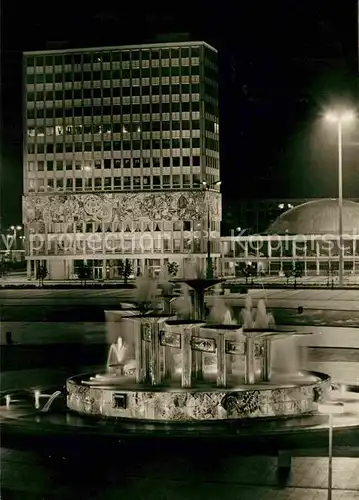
[{"x": 281, "y": 64}]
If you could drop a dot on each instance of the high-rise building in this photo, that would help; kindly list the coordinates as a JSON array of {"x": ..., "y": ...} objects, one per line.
[{"x": 118, "y": 143}]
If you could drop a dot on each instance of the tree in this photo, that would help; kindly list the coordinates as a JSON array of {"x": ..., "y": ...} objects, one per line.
[
  {"x": 4, "y": 267},
  {"x": 297, "y": 271},
  {"x": 287, "y": 270},
  {"x": 127, "y": 270},
  {"x": 120, "y": 268},
  {"x": 41, "y": 273},
  {"x": 84, "y": 273},
  {"x": 172, "y": 268},
  {"x": 248, "y": 270}
]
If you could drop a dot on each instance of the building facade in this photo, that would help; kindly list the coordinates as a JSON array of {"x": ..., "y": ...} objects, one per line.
[
  {"x": 117, "y": 145},
  {"x": 306, "y": 234},
  {"x": 253, "y": 216}
]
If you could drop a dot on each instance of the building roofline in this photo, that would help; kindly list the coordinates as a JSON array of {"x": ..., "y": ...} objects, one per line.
[{"x": 119, "y": 47}]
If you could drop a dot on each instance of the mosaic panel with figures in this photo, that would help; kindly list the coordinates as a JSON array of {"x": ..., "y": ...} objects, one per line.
[{"x": 115, "y": 207}]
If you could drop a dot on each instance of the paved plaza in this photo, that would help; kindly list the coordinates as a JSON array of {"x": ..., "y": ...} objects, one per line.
[
  {"x": 31, "y": 474},
  {"x": 28, "y": 475}
]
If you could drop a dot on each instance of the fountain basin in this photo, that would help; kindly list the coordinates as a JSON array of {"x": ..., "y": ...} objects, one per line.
[{"x": 175, "y": 404}]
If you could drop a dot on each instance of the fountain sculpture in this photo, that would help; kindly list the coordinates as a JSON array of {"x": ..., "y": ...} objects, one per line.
[{"x": 181, "y": 368}]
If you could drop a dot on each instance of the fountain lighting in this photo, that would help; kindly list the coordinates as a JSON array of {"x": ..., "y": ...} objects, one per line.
[
  {"x": 7, "y": 401},
  {"x": 168, "y": 368},
  {"x": 37, "y": 395}
]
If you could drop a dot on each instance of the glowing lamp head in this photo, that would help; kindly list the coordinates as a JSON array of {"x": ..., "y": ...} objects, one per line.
[
  {"x": 332, "y": 117},
  {"x": 344, "y": 117}
]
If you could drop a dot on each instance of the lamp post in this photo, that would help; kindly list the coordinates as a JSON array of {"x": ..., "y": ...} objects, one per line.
[
  {"x": 14, "y": 230},
  {"x": 340, "y": 118},
  {"x": 330, "y": 409},
  {"x": 207, "y": 186}
]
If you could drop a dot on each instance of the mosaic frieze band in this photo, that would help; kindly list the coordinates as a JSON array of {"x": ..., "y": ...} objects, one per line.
[
  {"x": 116, "y": 207},
  {"x": 196, "y": 405}
]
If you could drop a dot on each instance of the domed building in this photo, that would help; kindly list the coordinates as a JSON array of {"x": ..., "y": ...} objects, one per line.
[
  {"x": 317, "y": 217},
  {"x": 306, "y": 235}
]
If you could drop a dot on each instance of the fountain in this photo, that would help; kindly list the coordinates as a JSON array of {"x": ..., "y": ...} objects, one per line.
[{"x": 181, "y": 368}]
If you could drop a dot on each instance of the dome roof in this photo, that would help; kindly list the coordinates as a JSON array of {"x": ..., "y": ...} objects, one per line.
[{"x": 317, "y": 217}]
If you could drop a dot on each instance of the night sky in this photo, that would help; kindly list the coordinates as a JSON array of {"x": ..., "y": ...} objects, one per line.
[{"x": 281, "y": 64}]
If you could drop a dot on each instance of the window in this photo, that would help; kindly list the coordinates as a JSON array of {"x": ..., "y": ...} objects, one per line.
[
  {"x": 50, "y": 165},
  {"x": 196, "y": 180},
  {"x": 68, "y": 164},
  {"x": 98, "y": 183},
  {"x": 40, "y": 166},
  {"x": 88, "y": 184},
  {"x": 196, "y": 161},
  {"x": 59, "y": 165},
  {"x": 107, "y": 163},
  {"x": 176, "y": 181},
  {"x": 136, "y": 162},
  {"x": 59, "y": 184},
  {"x": 98, "y": 164},
  {"x": 176, "y": 161},
  {"x": 127, "y": 163},
  {"x": 186, "y": 225},
  {"x": 78, "y": 184},
  {"x": 31, "y": 149},
  {"x": 127, "y": 182},
  {"x": 78, "y": 165},
  {"x": 155, "y": 162},
  {"x": 107, "y": 183},
  {"x": 69, "y": 184},
  {"x": 186, "y": 161},
  {"x": 186, "y": 180},
  {"x": 166, "y": 180},
  {"x": 166, "y": 161},
  {"x": 49, "y": 148},
  {"x": 117, "y": 163},
  {"x": 30, "y": 166},
  {"x": 146, "y": 182},
  {"x": 137, "y": 183},
  {"x": 117, "y": 183},
  {"x": 40, "y": 148}
]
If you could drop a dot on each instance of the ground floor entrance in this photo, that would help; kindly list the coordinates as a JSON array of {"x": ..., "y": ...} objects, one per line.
[{"x": 113, "y": 269}]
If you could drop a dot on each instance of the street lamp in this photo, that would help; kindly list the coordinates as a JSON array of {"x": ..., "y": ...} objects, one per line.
[
  {"x": 14, "y": 230},
  {"x": 330, "y": 409},
  {"x": 207, "y": 186},
  {"x": 340, "y": 118}
]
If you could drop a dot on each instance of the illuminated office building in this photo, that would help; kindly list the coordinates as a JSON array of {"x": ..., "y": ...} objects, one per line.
[{"x": 117, "y": 144}]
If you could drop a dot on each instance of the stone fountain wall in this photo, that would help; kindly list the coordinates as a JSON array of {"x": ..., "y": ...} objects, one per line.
[{"x": 191, "y": 405}]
